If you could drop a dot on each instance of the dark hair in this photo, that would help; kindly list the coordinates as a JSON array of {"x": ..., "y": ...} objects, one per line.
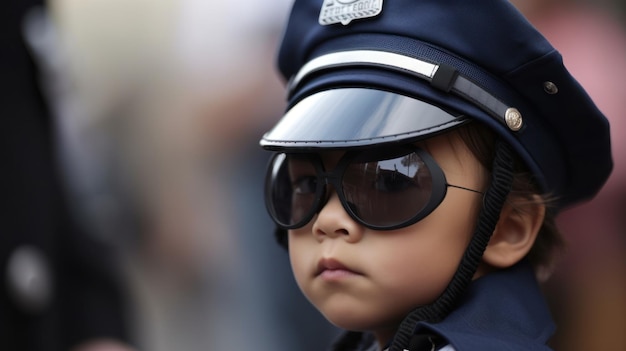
[{"x": 549, "y": 243}]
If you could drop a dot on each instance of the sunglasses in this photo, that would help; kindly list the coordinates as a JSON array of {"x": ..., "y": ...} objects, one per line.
[{"x": 382, "y": 189}]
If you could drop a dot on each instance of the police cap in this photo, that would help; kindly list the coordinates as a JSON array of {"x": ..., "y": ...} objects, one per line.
[{"x": 368, "y": 72}]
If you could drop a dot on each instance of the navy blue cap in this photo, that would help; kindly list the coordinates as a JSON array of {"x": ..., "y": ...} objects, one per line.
[{"x": 368, "y": 72}]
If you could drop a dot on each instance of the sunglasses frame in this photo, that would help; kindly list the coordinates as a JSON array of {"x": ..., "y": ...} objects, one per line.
[{"x": 334, "y": 177}]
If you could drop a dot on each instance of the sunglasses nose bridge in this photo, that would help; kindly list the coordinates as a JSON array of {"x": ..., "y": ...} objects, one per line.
[{"x": 331, "y": 180}]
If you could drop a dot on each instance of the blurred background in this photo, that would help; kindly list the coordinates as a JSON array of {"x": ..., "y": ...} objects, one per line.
[{"x": 159, "y": 106}]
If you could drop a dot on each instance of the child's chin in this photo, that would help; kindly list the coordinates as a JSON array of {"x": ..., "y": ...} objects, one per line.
[{"x": 356, "y": 322}]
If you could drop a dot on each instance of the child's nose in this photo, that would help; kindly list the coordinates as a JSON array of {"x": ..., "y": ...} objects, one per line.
[{"x": 333, "y": 221}]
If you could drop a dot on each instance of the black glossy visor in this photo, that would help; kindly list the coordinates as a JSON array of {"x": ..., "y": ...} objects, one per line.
[
  {"x": 351, "y": 117},
  {"x": 384, "y": 188}
]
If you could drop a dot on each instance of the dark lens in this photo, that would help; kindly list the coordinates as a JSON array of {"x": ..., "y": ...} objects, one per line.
[
  {"x": 291, "y": 187},
  {"x": 388, "y": 192}
]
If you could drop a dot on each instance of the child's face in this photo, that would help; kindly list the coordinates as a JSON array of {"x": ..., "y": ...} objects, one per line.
[{"x": 363, "y": 279}]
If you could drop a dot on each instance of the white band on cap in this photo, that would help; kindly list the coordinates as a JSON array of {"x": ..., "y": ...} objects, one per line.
[{"x": 424, "y": 70}]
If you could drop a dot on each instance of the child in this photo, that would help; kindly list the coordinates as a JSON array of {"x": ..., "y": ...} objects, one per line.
[{"x": 426, "y": 148}]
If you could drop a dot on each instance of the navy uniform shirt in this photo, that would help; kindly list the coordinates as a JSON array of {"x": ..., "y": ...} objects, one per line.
[{"x": 504, "y": 310}]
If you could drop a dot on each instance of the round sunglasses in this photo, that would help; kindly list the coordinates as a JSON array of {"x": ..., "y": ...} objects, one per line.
[{"x": 382, "y": 189}]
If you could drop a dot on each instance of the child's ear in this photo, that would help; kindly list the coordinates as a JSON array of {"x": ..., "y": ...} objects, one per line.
[{"x": 516, "y": 231}]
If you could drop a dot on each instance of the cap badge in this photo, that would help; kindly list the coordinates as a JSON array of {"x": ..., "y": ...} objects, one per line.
[{"x": 344, "y": 11}]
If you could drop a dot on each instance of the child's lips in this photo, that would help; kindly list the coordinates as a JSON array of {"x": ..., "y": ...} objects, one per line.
[{"x": 331, "y": 268}]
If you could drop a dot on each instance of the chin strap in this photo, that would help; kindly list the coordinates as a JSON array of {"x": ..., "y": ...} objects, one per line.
[{"x": 495, "y": 196}]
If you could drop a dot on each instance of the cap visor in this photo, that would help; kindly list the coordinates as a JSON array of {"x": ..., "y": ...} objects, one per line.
[{"x": 352, "y": 117}]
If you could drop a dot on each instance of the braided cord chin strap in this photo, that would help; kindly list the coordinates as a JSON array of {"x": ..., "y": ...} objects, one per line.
[{"x": 495, "y": 196}]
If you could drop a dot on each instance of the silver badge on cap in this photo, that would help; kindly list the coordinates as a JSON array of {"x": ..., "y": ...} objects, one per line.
[{"x": 344, "y": 11}]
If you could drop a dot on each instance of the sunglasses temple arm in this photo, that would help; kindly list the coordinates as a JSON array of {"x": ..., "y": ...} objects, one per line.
[{"x": 464, "y": 188}]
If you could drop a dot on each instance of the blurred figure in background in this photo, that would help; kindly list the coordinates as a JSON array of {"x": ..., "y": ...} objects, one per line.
[
  {"x": 591, "y": 303},
  {"x": 61, "y": 286},
  {"x": 163, "y": 110}
]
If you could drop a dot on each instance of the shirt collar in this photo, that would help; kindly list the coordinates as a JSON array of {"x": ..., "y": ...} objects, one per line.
[{"x": 502, "y": 310}]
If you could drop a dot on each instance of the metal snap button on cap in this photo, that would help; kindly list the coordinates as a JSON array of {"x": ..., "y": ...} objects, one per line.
[
  {"x": 513, "y": 119},
  {"x": 550, "y": 88}
]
